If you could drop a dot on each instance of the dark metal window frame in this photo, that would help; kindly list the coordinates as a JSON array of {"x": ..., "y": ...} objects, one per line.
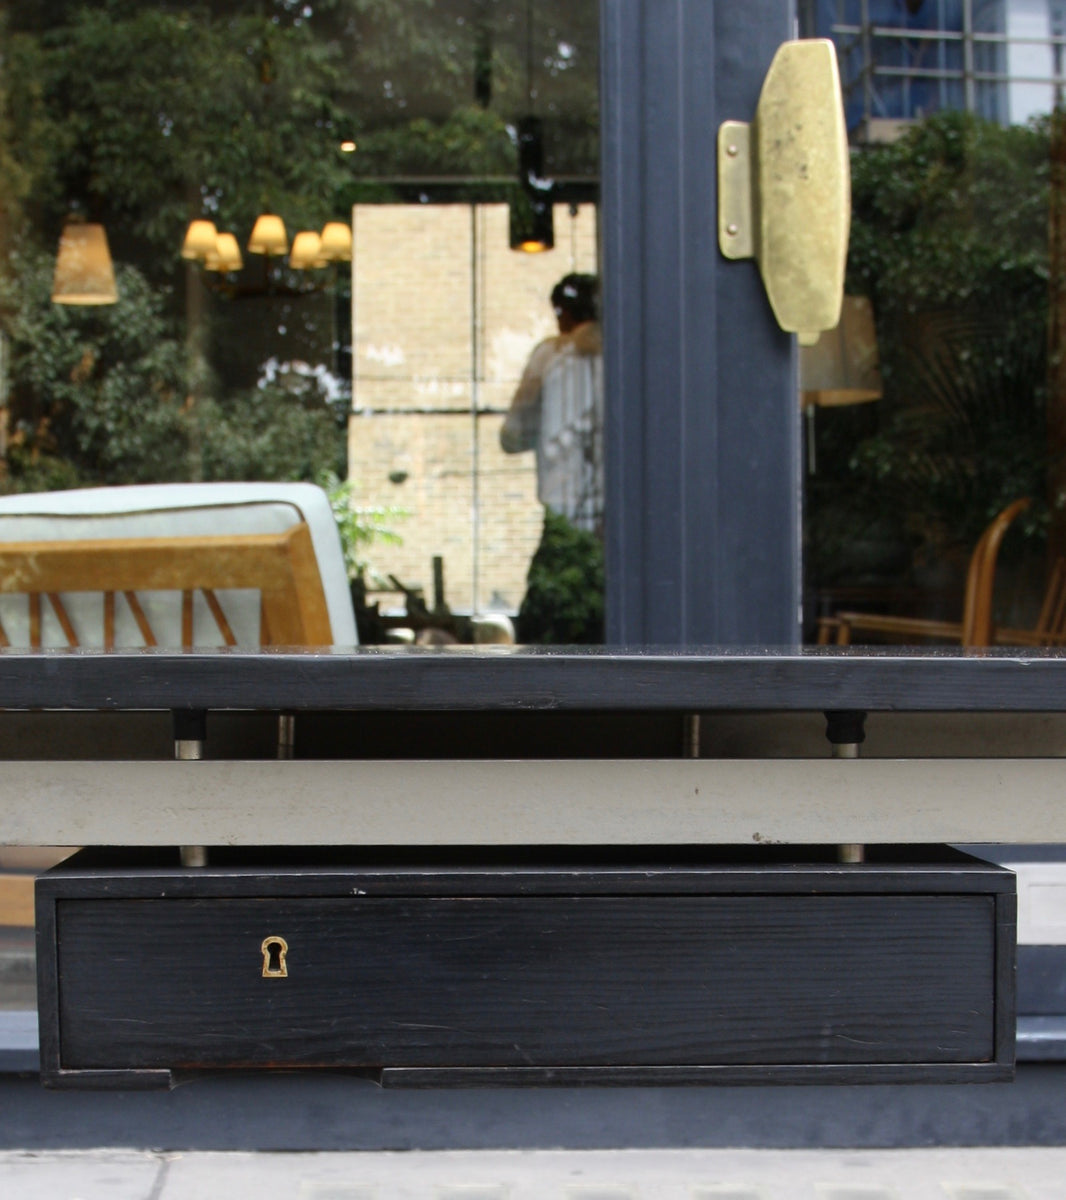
[{"x": 702, "y": 419}]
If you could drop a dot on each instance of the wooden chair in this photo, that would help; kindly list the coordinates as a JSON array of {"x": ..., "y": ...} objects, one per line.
[
  {"x": 280, "y": 566},
  {"x": 1050, "y": 628},
  {"x": 977, "y": 627}
]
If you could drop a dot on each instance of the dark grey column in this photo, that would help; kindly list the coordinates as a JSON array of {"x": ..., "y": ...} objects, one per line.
[{"x": 702, "y": 421}]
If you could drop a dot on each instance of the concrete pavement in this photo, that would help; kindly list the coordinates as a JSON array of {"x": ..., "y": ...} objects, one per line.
[{"x": 938, "y": 1174}]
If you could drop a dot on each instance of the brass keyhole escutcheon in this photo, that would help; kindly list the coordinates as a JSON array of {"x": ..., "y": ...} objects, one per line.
[{"x": 274, "y": 950}]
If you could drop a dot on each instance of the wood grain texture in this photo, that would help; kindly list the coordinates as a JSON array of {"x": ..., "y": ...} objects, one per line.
[
  {"x": 527, "y": 982},
  {"x": 16, "y": 900},
  {"x": 282, "y": 566},
  {"x": 584, "y": 960},
  {"x": 510, "y": 966}
]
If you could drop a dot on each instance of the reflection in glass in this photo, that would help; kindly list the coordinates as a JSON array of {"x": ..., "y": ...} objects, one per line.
[
  {"x": 214, "y": 141},
  {"x": 955, "y": 189}
]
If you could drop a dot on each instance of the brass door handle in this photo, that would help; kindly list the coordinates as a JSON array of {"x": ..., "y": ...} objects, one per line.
[{"x": 784, "y": 188}]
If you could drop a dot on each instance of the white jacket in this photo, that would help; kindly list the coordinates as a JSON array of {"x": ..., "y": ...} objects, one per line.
[{"x": 557, "y": 410}]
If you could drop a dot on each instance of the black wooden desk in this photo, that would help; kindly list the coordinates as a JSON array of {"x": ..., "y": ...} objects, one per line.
[{"x": 608, "y": 754}]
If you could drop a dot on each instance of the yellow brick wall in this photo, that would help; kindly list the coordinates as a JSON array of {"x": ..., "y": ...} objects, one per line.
[{"x": 444, "y": 314}]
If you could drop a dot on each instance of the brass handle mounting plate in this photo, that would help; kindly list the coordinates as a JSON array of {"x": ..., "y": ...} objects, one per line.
[{"x": 784, "y": 188}]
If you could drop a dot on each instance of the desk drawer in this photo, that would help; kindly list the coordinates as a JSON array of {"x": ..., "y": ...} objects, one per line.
[{"x": 496, "y": 972}]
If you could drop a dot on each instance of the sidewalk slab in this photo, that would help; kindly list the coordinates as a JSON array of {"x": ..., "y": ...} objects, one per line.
[
  {"x": 939, "y": 1174},
  {"x": 84, "y": 1175}
]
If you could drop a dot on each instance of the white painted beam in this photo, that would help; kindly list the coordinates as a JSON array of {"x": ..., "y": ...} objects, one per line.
[{"x": 539, "y": 802}]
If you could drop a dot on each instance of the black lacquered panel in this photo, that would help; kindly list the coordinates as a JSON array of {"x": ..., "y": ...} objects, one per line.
[{"x": 509, "y": 981}]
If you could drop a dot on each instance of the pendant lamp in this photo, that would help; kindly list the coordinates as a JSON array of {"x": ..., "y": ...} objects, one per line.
[
  {"x": 306, "y": 252},
  {"x": 841, "y": 368},
  {"x": 200, "y": 240},
  {"x": 84, "y": 273},
  {"x": 269, "y": 236},
  {"x": 226, "y": 255},
  {"x": 532, "y": 226},
  {"x": 336, "y": 242}
]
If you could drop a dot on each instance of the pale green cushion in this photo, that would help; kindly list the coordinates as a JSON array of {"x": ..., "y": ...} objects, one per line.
[{"x": 175, "y": 510}]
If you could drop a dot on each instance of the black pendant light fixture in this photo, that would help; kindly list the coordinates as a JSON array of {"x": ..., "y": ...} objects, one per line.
[{"x": 532, "y": 227}]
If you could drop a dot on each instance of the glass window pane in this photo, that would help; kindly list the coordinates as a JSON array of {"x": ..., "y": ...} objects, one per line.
[
  {"x": 954, "y": 108},
  {"x": 270, "y": 240}
]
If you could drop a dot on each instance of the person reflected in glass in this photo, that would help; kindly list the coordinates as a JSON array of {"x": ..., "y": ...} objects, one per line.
[{"x": 557, "y": 411}]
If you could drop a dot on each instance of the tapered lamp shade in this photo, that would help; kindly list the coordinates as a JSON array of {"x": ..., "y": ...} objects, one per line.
[
  {"x": 84, "y": 274},
  {"x": 199, "y": 240},
  {"x": 336, "y": 242},
  {"x": 842, "y": 367},
  {"x": 226, "y": 255},
  {"x": 306, "y": 251},
  {"x": 269, "y": 236}
]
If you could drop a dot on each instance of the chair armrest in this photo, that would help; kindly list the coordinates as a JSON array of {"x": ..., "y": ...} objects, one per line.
[
  {"x": 898, "y": 627},
  {"x": 1027, "y": 637}
]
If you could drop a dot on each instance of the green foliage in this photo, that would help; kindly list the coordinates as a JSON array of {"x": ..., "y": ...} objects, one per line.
[
  {"x": 101, "y": 395},
  {"x": 949, "y": 215},
  {"x": 142, "y": 115},
  {"x": 359, "y": 525},
  {"x": 950, "y": 240},
  {"x": 972, "y": 435},
  {"x": 265, "y": 433},
  {"x": 469, "y": 141},
  {"x": 101, "y": 388},
  {"x": 563, "y": 603}
]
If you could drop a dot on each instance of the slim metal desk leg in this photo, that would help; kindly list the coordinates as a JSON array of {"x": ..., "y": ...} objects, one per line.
[
  {"x": 286, "y": 735},
  {"x": 846, "y": 732},
  {"x": 190, "y": 730},
  {"x": 691, "y": 737}
]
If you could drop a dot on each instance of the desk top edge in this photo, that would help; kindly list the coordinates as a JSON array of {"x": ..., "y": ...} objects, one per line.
[{"x": 539, "y": 679}]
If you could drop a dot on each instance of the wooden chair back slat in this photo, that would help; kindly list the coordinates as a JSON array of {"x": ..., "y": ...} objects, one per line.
[
  {"x": 228, "y": 637},
  {"x": 186, "y": 619},
  {"x": 139, "y": 616},
  {"x": 35, "y": 620},
  {"x": 109, "y": 620},
  {"x": 59, "y": 608}
]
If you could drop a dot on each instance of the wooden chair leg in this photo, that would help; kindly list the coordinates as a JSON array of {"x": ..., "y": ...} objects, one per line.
[{"x": 826, "y": 630}]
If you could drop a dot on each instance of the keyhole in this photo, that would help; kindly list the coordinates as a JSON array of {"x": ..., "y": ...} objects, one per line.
[{"x": 274, "y": 951}]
